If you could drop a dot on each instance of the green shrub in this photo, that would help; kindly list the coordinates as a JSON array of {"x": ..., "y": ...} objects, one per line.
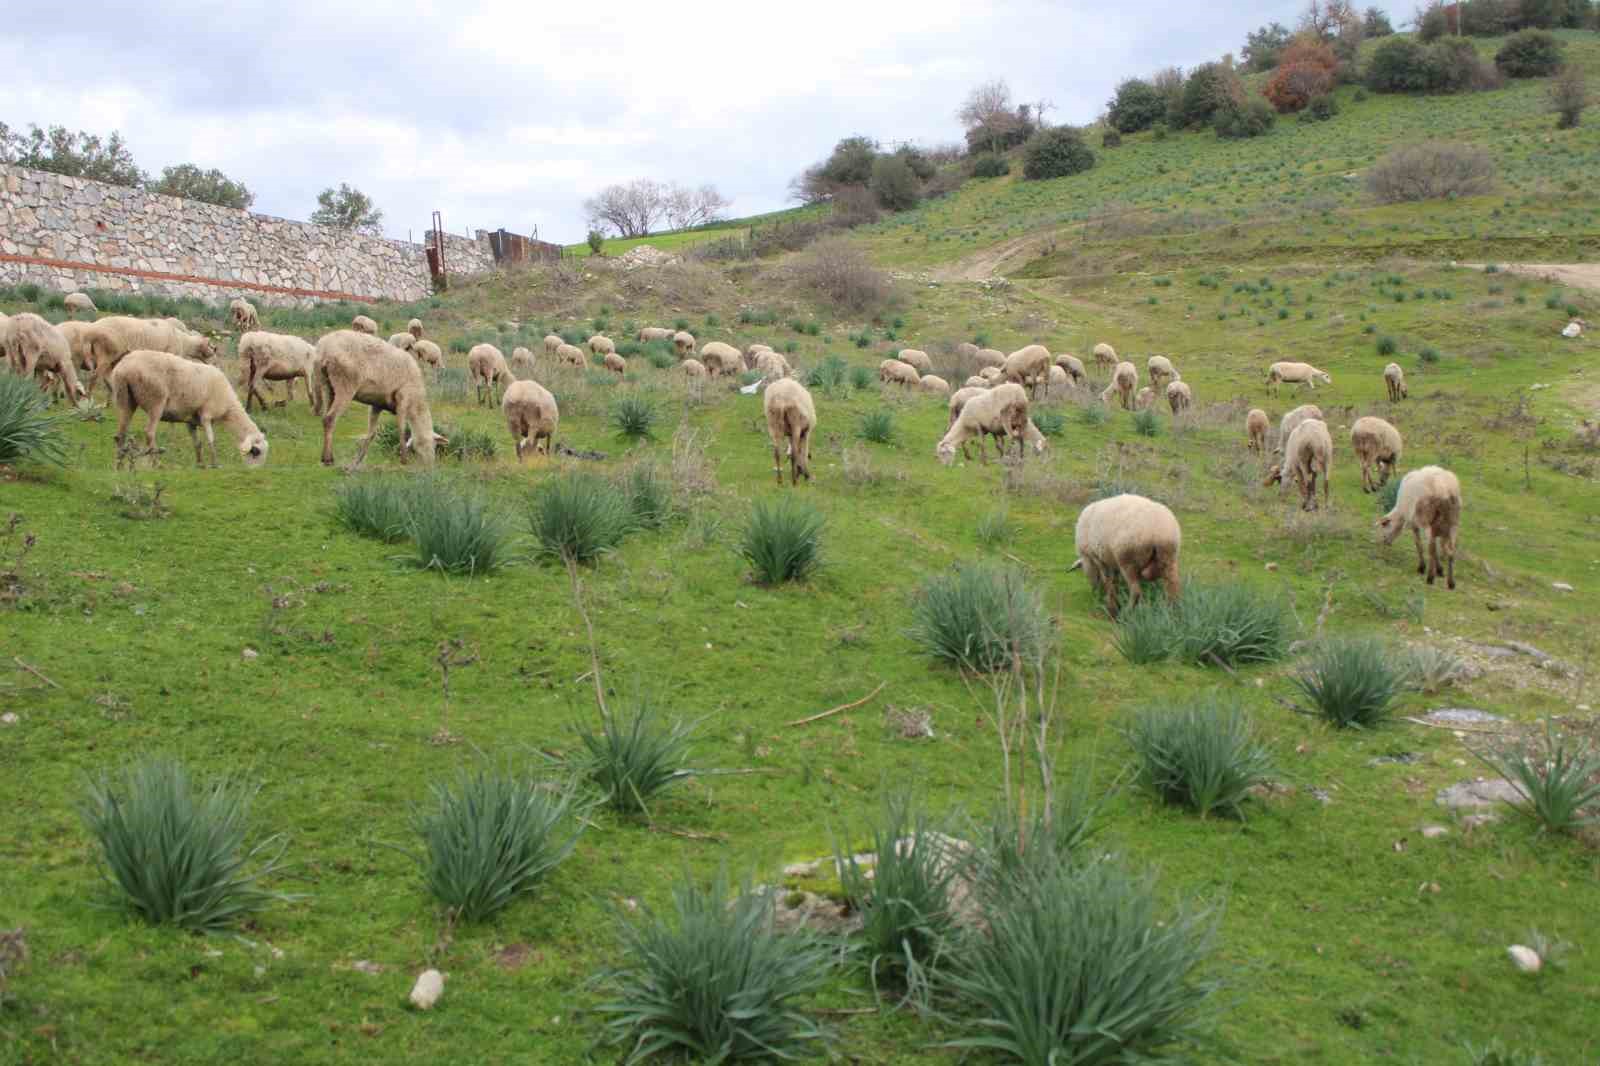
[
  {"x": 1398, "y": 65},
  {"x": 1321, "y": 109},
  {"x": 990, "y": 165},
  {"x": 1050, "y": 423},
  {"x": 27, "y": 430},
  {"x": 174, "y": 846},
  {"x": 715, "y": 981},
  {"x": 977, "y": 616},
  {"x": 374, "y": 505},
  {"x": 861, "y": 378},
  {"x": 456, "y": 532},
  {"x": 1557, "y": 777},
  {"x": 1352, "y": 682},
  {"x": 1093, "y": 414},
  {"x": 1234, "y": 624},
  {"x": 1253, "y": 118},
  {"x": 1428, "y": 356},
  {"x": 466, "y": 443},
  {"x": 829, "y": 374},
  {"x": 634, "y": 756},
  {"x": 597, "y": 241},
  {"x": 579, "y": 517},
  {"x": 877, "y": 427},
  {"x": 656, "y": 357},
  {"x": 1056, "y": 153},
  {"x": 783, "y": 541},
  {"x": 1202, "y": 754},
  {"x": 494, "y": 836},
  {"x": 1387, "y": 345},
  {"x": 634, "y": 417},
  {"x": 1529, "y": 54},
  {"x": 996, "y": 528},
  {"x": 1431, "y": 171},
  {"x": 1146, "y": 422},
  {"x": 649, "y": 495},
  {"x": 894, "y": 184}
]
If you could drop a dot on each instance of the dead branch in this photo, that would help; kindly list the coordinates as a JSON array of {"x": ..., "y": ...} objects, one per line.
[{"x": 841, "y": 707}]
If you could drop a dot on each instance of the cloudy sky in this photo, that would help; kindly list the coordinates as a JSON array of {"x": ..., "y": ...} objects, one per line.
[{"x": 510, "y": 112}]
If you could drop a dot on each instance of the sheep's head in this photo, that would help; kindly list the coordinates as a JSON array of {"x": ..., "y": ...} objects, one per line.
[
  {"x": 201, "y": 349},
  {"x": 1323, "y": 376},
  {"x": 253, "y": 448},
  {"x": 946, "y": 452},
  {"x": 1390, "y": 526},
  {"x": 1275, "y": 476}
]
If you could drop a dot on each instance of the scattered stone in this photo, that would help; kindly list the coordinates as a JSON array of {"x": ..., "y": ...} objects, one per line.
[
  {"x": 803, "y": 869},
  {"x": 426, "y": 992},
  {"x": 367, "y": 966},
  {"x": 1525, "y": 959},
  {"x": 1475, "y": 821},
  {"x": 1572, "y": 329},
  {"x": 808, "y": 910},
  {"x": 1527, "y": 649},
  {"x": 1398, "y": 758},
  {"x": 1491, "y": 651},
  {"x": 1433, "y": 832},
  {"x": 1483, "y": 792},
  {"x": 1272, "y": 568},
  {"x": 1432, "y": 887},
  {"x": 1322, "y": 796},
  {"x": 1561, "y": 586},
  {"x": 250, "y": 654},
  {"x": 9, "y": 718},
  {"x": 646, "y": 255},
  {"x": 1460, "y": 716}
]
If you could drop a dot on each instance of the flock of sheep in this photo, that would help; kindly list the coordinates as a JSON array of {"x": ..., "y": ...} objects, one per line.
[{"x": 163, "y": 368}]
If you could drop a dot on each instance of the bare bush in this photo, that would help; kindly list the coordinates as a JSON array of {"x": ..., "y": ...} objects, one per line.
[
  {"x": 841, "y": 273},
  {"x": 1431, "y": 171},
  {"x": 1569, "y": 95}
]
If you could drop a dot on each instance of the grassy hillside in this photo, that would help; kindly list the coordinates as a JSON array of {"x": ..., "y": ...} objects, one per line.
[
  {"x": 1345, "y": 935},
  {"x": 679, "y": 240}
]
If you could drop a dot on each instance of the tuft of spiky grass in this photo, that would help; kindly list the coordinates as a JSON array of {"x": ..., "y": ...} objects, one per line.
[
  {"x": 996, "y": 528},
  {"x": 374, "y": 505},
  {"x": 1202, "y": 754},
  {"x": 783, "y": 541},
  {"x": 861, "y": 378},
  {"x": 1234, "y": 624},
  {"x": 173, "y": 845},
  {"x": 634, "y": 755},
  {"x": 1050, "y": 423},
  {"x": 877, "y": 427},
  {"x": 1387, "y": 496},
  {"x": 1430, "y": 669},
  {"x": 714, "y": 980},
  {"x": 830, "y": 374},
  {"x": 579, "y": 517},
  {"x": 1387, "y": 345},
  {"x": 1558, "y": 777},
  {"x": 649, "y": 495},
  {"x": 1352, "y": 681},
  {"x": 978, "y": 617},
  {"x": 468, "y": 444},
  {"x": 27, "y": 429},
  {"x": 1016, "y": 845},
  {"x": 1146, "y": 422},
  {"x": 634, "y": 417},
  {"x": 1093, "y": 414},
  {"x": 456, "y": 532}
]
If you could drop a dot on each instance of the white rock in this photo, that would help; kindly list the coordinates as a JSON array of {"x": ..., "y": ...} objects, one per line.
[
  {"x": 1432, "y": 831},
  {"x": 430, "y": 986},
  {"x": 249, "y": 654},
  {"x": 1561, "y": 586},
  {"x": 1526, "y": 959},
  {"x": 9, "y": 718},
  {"x": 1572, "y": 330}
]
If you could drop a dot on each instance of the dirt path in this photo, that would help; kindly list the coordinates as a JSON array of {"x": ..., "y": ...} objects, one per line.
[
  {"x": 981, "y": 266},
  {"x": 1577, "y": 275}
]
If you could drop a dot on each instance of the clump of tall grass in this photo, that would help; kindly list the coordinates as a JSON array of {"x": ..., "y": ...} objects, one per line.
[
  {"x": 27, "y": 429},
  {"x": 1558, "y": 778},
  {"x": 1146, "y": 422},
  {"x": 634, "y": 417},
  {"x": 374, "y": 505},
  {"x": 579, "y": 517},
  {"x": 996, "y": 528},
  {"x": 1050, "y": 423},
  {"x": 456, "y": 532},
  {"x": 1352, "y": 681},
  {"x": 1231, "y": 624},
  {"x": 648, "y": 493},
  {"x": 830, "y": 374},
  {"x": 978, "y": 616},
  {"x": 861, "y": 378},
  {"x": 634, "y": 756},
  {"x": 877, "y": 427},
  {"x": 1202, "y": 754},
  {"x": 783, "y": 541}
]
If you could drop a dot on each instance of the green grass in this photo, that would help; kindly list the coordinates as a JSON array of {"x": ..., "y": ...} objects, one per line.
[
  {"x": 28, "y": 431},
  {"x": 1352, "y": 682},
  {"x": 1201, "y": 754},
  {"x": 634, "y": 755},
  {"x": 978, "y": 617},
  {"x": 782, "y": 541}
]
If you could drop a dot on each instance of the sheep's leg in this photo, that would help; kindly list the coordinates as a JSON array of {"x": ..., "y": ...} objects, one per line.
[
  {"x": 211, "y": 440},
  {"x": 1327, "y": 486},
  {"x": 154, "y": 413},
  {"x": 1169, "y": 581},
  {"x": 1450, "y": 561},
  {"x": 336, "y": 405},
  {"x": 777, "y": 461},
  {"x": 1434, "y": 569},
  {"x": 124, "y": 415},
  {"x": 310, "y": 399},
  {"x": 194, "y": 438},
  {"x": 1130, "y": 574},
  {"x": 372, "y": 431},
  {"x": 1366, "y": 476},
  {"x": 1422, "y": 563}
]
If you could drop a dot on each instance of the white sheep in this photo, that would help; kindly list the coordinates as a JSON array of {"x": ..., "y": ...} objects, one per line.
[
  {"x": 893, "y": 371},
  {"x": 358, "y": 367},
  {"x": 1307, "y": 454},
  {"x": 169, "y": 388},
  {"x": 1000, "y": 412},
  {"x": 1178, "y": 396},
  {"x": 693, "y": 367},
  {"x": 404, "y": 341},
  {"x": 428, "y": 352},
  {"x": 414, "y": 327},
  {"x": 721, "y": 358},
  {"x": 570, "y": 355},
  {"x": 1293, "y": 419},
  {"x": 1029, "y": 367},
  {"x": 487, "y": 367},
  {"x": 551, "y": 343},
  {"x": 1060, "y": 380},
  {"x": 531, "y": 415},
  {"x": 600, "y": 344},
  {"x": 958, "y": 400},
  {"x": 990, "y": 357},
  {"x": 1375, "y": 442},
  {"x": 363, "y": 324},
  {"x": 1105, "y": 355},
  {"x": 1160, "y": 368},
  {"x": 275, "y": 357},
  {"x": 522, "y": 360},
  {"x": 1073, "y": 367},
  {"x": 655, "y": 333},
  {"x": 38, "y": 349},
  {"x": 1256, "y": 425},
  {"x": 684, "y": 343},
  {"x": 967, "y": 350},
  {"x": 78, "y": 334},
  {"x": 772, "y": 365},
  {"x": 992, "y": 374},
  {"x": 917, "y": 358},
  {"x": 975, "y": 382},
  {"x": 1395, "y": 380},
  {"x": 752, "y": 351},
  {"x": 1125, "y": 379},
  {"x": 1129, "y": 535},
  {"x": 791, "y": 419},
  {"x": 110, "y": 338},
  {"x": 933, "y": 383},
  {"x": 1145, "y": 398},
  {"x": 244, "y": 316},
  {"x": 1429, "y": 500},
  {"x": 1296, "y": 374},
  {"x": 615, "y": 363},
  {"x": 79, "y": 303}
]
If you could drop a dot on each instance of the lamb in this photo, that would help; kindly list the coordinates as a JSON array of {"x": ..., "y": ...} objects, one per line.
[
  {"x": 975, "y": 382},
  {"x": 1429, "y": 500},
  {"x": 1178, "y": 396},
  {"x": 429, "y": 353},
  {"x": 414, "y": 327},
  {"x": 1000, "y": 412},
  {"x": 404, "y": 341},
  {"x": 655, "y": 333},
  {"x": 791, "y": 417},
  {"x": 917, "y": 358},
  {"x": 721, "y": 358},
  {"x": 990, "y": 357},
  {"x": 1105, "y": 355},
  {"x": 358, "y": 367},
  {"x": 551, "y": 343},
  {"x": 693, "y": 367},
  {"x": 1255, "y": 428},
  {"x": 934, "y": 384},
  {"x": 110, "y": 338},
  {"x": 522, "y": 360},
  {"x": 1126, "y": 380},
  {"x": 79, "y": 303},
  {"x": 600, "y": 344},
  {"x": 992, "y": 374},
  {"x": 169, "y": 388},
  {"x": 35, "y": 348},
  {"x": 1159, "y": 367},
  {"x": 1146, "y": 397},
  {"x": 772, "y": 365},
  {"x": 486, "y": 365},
  {"x": 893, "y": 371},
  {"x": 1132, "y": 536},
  {"x": 1375, "y": 442},
  {"x": 1293, "y": 419},
  {"x": 1073, "y": 367},
  {"x": 615, "y": 363},
  {"x": 244, "y": 316},
  {"x": 363, "y": 324},
  {"x": 1395, "y": 379},
  {"x": 531, "y": 415},
  {"x": 1029, "y": 367},
  {"x": 1308, "y": 453},
  {"x": 275, "y": 357},
  {"x": 570, "y": 355},
  {"x": 684, "y": 343},
  {"x": 1296, "y": 374}
]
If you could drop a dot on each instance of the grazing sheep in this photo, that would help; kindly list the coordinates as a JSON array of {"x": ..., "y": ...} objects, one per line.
[
  {"x": 78, "y": 334},
  {"x": 169, "y": 388},
  {"x": 1000, "y": 412},
  {"x": 404, "y": 341},
  {"x": 79, "y": 303},
  {"x": 1159, "y": 367},
  {"x": 486, "y": 366},
  {"x": 992, "y": 374},
  {"x": 1256, "y": 425},
  {"x": 917, "y": 358},
  {"x": 1296, "y": 374},
  {"x": 752, "y": 351},
  {"x": 1293, "y": 419},
  {"x": 531, "y": 416},
  {"x": 1132, "y": 536},
  {"x": 721, "y": 358},
  {"x": 275, "y": 357},
  {"x": 791, "y": 418},
  {"x": 1308, "y": 453},
  {"x": 1109, "y": 394},
  {"x": 1126, "y": 381},
  {"x": 522, "y": 360},
  {"x": 244, "y": 316},
  {"x": 1395, "y": 379},
  {"x": 600, "y": 344},
  {"x": 358, "y": 367},
  {"x": 1375, "y": 442},
  {"x": 990, "y": 357},
  {"x": 772, "y": 365},
  {"x": 551, "y": 343},
  {"x": 1429, "y": 500},
  {"x": 1060, "y": 380},
  {"x": 898, "y": 373},
  {"x": 363, "y": 324},
  {"x": 1073, "y": 367},
  {"x": 1105, "y": 355},
  {"x": 414, "y": 327},
  {"x": 1146, "y": 397},
  {"x": 967, "y": 350},
  {"x": 975, "y": 382},
  {"x": 934, "y": 383},
  {"x": 958, "y": 400},
  {"x": 693, "y": 367},
  {"x": 1029, "y": 367},
  {"x": 429, "y": 353},
  {"x": 615, "y": 363},
  {"x": 1178, "y": 396},
  {"x": 654, "y": 333},
  {"x": 570, "y": 355},
  {"x": 110, "y": 338},
  {"x": 36, "y": 349},
  {"x": 684, "y": 343}
]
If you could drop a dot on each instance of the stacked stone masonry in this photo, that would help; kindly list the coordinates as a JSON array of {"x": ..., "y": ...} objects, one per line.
[{"x": 70, "y": 234}]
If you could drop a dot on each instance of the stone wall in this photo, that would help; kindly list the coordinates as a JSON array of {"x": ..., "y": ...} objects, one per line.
[{"x": 69, "y": 233}]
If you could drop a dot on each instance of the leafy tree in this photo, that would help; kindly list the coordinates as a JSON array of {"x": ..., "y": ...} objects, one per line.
[
  {"x": 1263, "y": 47},
  {"x": 1211, "y": 86},
  {"x": 850, "y": 163},
  {"x": 1250, "y": 118},
  {"x": 76, "y": 155},
  {"x": 894, "y": 183},
  {"x": 348, "y": 208},
  {"x": 1056, "y": 153},
  {"x": 987, "y": 115},
  {"x": 1306, "y": 71},
  {"x": 597, "y": 241},
  {"x": 1137, "y": 106},
  {"x": 1376, "y": 24},
  {"x": 208, "y": 186},
  {"x": 1529, "y": 54},
  {"x": 1398, "y": 65}
]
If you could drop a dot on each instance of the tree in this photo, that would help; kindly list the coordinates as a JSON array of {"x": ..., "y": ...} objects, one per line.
[
  {"x": 631, "y": 210},
  {"x": 894, "y": 183},
  {"x": 1569, "y": 95},
  {"x": 1529, "y": 54},
  {"x": 1327, "y": 18},
  {"x": 1169, "y": 82},
  {"x": 1307, "y": 71},
  {"x": 850, "y": 163},
  {"x": 347, "y": 207},
  {"x": 1262, "y": 47},
  {"x": 1056, "y": 153},
  {"x": 1398, "y": 65},
  {"x": 76, "y": 155},
  {"x": 1376, "y": 24},
  {"x": 1210, "y": 87},
  {"x": 1137, "y": 106},
  {"x": 597, "y": 241},
  {"x": 686, "y": 208},
  {"x": 987, "y": 115},
  {"x": 208, "y": 186}
]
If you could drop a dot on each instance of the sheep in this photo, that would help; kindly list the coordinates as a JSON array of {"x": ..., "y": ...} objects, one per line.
[
  {"x": 893, "y": 371},
  {"x": 522, "y": 359},
  {"x": 275, "y": 357},
  {"x": 1159, "y": 367},
  {"x": 551, "y": 343},
  {"x": 683, "y": 343},
  {"x": 1296, "y": 374},
  {"x": 721, "y": 358},
  {"x": 1105, "y": 355},
  {"x": 752, "y": 352},
  {"x": 1429, "y": 500},
  {"x": 791, "y": 418},
  {"x": 615, "y": 363},
  {"x": 79, "y": 303},
  {"x": 1146, "y": 397},
  {"x": 1126, "y": 380},
  {"x": 1178, "y": 396},
  {"x": 244, "y": 316},
  {"x": 992, "y": 374},
  {"x": 1132, "y": 536},
  {"x": 358, "y": 367},
  {"x": 1309, "y": 452},
  {"x": 1000, "y": 412},
  {"x": 975, "y": 382},
  {"x": 655, "y": 333},
  {"x": 1375, "y": 442},
  {"x": 1109, "y": 394},
  {"x": 169, "y": 388},
  {"x": 404, "y": 341},
  {"x": 933, "y": 383},
  {"x": 917, "y": 358},
  {"x": 78, "y": 334},
  {"x": 1255, "y": 428},
  {"x": 486, "y": 365},
  {"x": 772, "y": 365},
  {"x": 959, "y": 398},
  {"x": 1073, "y": 366},
  {"x": 1293, "y": 419},
  {"x": 110, "y": 338},
  {"x": 1395, "y": 379},
  {"x": 363, "y": 324},
  {"x": 1059, "y": 379},
  {"x": 693, "y": 367},
  {"x": 990, "y": 357},
  {"x": 531, "y": 415},
  {"x": 35, "y": 348},
  {"x": 428, "y": 352},
  {"x": 414, "y": 327},
  {"x": 1029, "y": 367},
  {"x": 967, "y": 350},
  {"x": 570, "y": 355},
  {"x": 600, "y": 344}
]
